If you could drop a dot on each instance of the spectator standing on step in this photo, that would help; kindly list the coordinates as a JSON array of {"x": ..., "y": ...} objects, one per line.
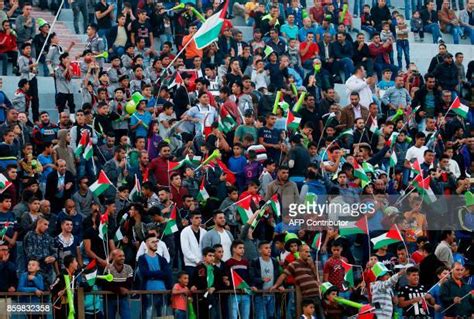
[
  {"x": 79, "y": 6},
  {"x": 25, "y": 25}
]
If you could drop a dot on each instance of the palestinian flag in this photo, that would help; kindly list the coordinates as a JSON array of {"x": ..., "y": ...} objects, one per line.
[
  {"x": 345, "y": 133},
  {"x": 178, "y": 80},
  {"x": 88, "y": 151},
  {"x": 227, "y": 122},
  {"x": 90, "y": 272},
  {"x": 230, "y": 176},
  {"x": 391, "y": 237},
  {"x": 191, "y": 312},
  {"x": 374, "y": 128},
  {"x": 393, "y": 139},
  {"x": 211, "y": 28},
  {"x": 171, "y": 226},
  {"x": 317, "y": 242},
  {"x": 423, "y": 187},
  {"x": 101, "y": 184},
  {"x": 136, "y": 191},
  {"x": 118, "y": 235},
  {"x": 348, "y": 274},
  {"x": 267, "y": 51},
  {"x": 459, "y": 108},
  {"x": 368, "y": 168},
  {"x": 393, "y": 159},
  {"x": 82, "y": 143},
  {"x": 172, "y": 166},
  {"x": 104, "y": 225},
  {"x": 274, "y": 203},
  {"x": 244, "y": 208},
  {"x": 203, "y": 195},
  {"x": 4, "y": 183},
  {"x": 416, "y": 168},
  {"x": 292, "y": 122},
  {"x": 360, "y": 174},
  {"x": 239, "y": 283},
  {"x": 355, "y": 227}
]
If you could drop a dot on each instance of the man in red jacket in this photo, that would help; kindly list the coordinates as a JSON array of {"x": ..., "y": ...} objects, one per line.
[
  {"x": 380, "y": 52},
  {"x": 159, "y": 166},
  {"x": 8, "y": 47}
]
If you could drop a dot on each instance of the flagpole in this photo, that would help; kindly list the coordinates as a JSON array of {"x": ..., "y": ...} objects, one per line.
[
  {"x": 70, "y": 285},
  {"x": 449, "y": 273},
  {"x": 50, "y": 30},
  {"x": 365, "y": 126},
  {"x": 368, "y": 239},
  {"x": 235, "y": 293},
  {"x": 453, "y": 304}
]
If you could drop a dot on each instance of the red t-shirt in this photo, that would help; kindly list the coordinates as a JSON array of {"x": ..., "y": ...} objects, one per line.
[
  {"x": 179, "y": 302},
  {"x": 312, "y": 51},
  {"x": 335, "y": 271}
]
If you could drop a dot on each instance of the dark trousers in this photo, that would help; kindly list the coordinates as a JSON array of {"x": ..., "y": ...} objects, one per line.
[
  {"x": 5, "y": 58},
  {"x": 65, "y": 98},
  {"x": 33, "y": 92},
  {"x": 79, "y": 7}
]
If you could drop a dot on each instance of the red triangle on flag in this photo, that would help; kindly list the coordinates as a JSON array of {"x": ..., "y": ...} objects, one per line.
[
  {"x": 362, "y": 224},
  {"x": 417, "y": 167},
  {"x": 91, "y": 265},
  {"x": 224, "y": 10},
  {"x": 103, "y": 179},
  {"x": 172, "y": 165},
  {"x": 393, "y": 233},
  {"x": 245, "y": 202},
  {"x": 347, "y": 267},
  {"x": 290, "y": 118},
  {"x": 104, "y": 218},
  {"x": 173, "y": 213},
  {"x": 230, "y": 176}
]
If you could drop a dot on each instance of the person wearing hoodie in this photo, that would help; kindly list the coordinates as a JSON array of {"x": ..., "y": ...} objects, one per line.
[{"x": 63, "y": 151}]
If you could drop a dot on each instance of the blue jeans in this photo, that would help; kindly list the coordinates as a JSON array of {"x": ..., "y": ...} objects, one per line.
[
  {"x": 180, "y": 314},
  {"x": 123, "y": 307},
  {"x": 86, "y": 168},
  {"x": 239, "y": 305},
  {"x": 369, "y": 29},
  {"x": 403, "y": 47},
  {"x": 469, "y": 32},
  {"x": 455, "y": 31},
  {"x": 347, "y": 65},
  {"x": 153, "y": 302},
  {"x": 264, "y": 307},
  {"x": 433, "y": 28},
  {"x": 411, "y": 6},
  {"x": 358, "y": 5}
]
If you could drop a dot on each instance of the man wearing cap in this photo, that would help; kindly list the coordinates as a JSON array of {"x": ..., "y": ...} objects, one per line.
[
  {"x": 38, "y": 42},
  {"x": 381, "y": 290}
]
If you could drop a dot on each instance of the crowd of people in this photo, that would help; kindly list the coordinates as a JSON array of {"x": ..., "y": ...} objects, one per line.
[{"x": 175, "y": 168}]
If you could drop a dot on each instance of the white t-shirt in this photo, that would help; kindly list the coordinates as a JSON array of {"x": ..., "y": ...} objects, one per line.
[
  {"x": 162, "y": 250},
  {"x": 416, "y": 153},
  {"x": 226, "y": 242}
]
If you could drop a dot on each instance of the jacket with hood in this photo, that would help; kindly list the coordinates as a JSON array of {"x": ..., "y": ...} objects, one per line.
[{"x": 65, "y": 152}]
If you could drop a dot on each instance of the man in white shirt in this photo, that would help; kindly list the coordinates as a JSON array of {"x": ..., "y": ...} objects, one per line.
[
  {"x": 191, "y": 238},
  {"x": 417, "y": 151},
  {"x": 443, "y": 250},
  {"x": 161, "y": 250},
  {"x": 358, "y": 83}
]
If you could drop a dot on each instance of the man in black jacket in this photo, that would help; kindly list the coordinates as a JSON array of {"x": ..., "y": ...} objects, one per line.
[
  {"x": 381, "y": 13},
  {"x": 59, "y": 186},
  {"x": 362, "y": 55},
  {"x": 446, "y": 74},
  {"x": 429, "y": 17},
  {"x": 429, "y": 98},
  {"x": 343, "y": 53},
  {"x": 439, "y": 58}
]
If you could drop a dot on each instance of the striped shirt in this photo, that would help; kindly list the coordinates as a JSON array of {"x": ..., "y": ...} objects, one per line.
[
  {"x": 122, "y": 278},
  {"x": 382, "y": 293},
  {"x": 304, "y": 273}
]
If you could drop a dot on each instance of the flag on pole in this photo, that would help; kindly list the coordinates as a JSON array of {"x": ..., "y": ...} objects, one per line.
[
  {"x": 423, "y": 187},
  {"x": 203, "y": 195},
  {"x": 136, "y": 191},
  {"x": 230, "y": 176},
  {"x": 459, "y": 108},
  {"x": 360, "y": 174},
  {"x": 354, "y": 227},
  {"x": 4, "y": 183},
  {"x": 104, "y": 225},
  {"x": 348, "y": 274},
  {"x": 244, "y": 208},
  {"x": 274, "y": 203},
  {"x": 4, "y": 230},
  {"x": 101, "y": 184},
  {"x": 292, "y": 122},
  {"x": 317, "y": 242},
  {"x": 227, "y": 122},
  {"x": 191, "y": 312},
  {"x": 118, "y": 235},
  {"x": 391, "y": 237},
  {"x": 82, "y": 143},
  {"x": 239, "y": 283},
  {"x": 90, "y": 272},
  {"x": 345, "y": 133},
  {"x": 393, "y": 139},
  {"x": 374, "y": 127},
  {"x": 368, "y": 168},
  {"x": 88, "y": 151},
  {"x": 393, "y": 159},
  {"x": 211, "y": 28},
  {"x": 171, "y": 226}
]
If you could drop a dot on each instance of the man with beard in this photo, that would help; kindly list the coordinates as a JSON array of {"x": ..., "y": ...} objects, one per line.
[
  {"x": 287, "y": 190},
  {"x": 160, "y": 165},
  {"x": 115, "y": 169}
]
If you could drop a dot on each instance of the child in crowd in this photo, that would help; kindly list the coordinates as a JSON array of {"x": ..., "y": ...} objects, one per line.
[
  {"x": 387, "y": 35},
  {"x": 381, "y": 290},
  {"x": 385, "y": 83},
  {"x": 31, "y": 281},
  {"x": 403, "y": 46},
  {"x": 367, "y": 23},
  {"x": 443, "y": 275},
  {"x": 308, "y": 309},
  {"x": 418, "y": 255},
  {"x": 416, "y": 25},
  {"x": 237, "y": 164},
  {"x": 331, "y": 308},
  {"x": 179, "y": 298}
]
